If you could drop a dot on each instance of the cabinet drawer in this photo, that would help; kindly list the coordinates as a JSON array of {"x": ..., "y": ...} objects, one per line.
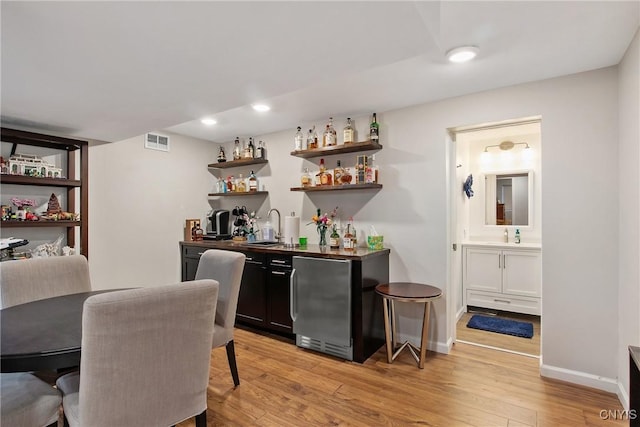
[
  {"x": 255, "y": 258},
  {"x": 280, "y": 261},
  {"x": 497, "y": 301},
  {"x": 193, "y": 251}
]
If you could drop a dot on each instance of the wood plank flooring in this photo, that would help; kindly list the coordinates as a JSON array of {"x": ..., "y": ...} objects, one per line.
[
  {"x": 282, "y": 385},
  {"x": 522, "y": 345}
]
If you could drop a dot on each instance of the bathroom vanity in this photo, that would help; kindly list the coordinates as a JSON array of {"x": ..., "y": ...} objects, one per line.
[{"x": 502, "y": 276}]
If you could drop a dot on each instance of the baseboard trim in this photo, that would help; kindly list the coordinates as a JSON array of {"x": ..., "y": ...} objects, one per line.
[
  {"x": 623, "y": 397},
  {"x": 581, "y": 378}
]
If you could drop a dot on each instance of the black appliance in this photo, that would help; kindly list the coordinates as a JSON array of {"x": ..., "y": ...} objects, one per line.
[{"x": 218, "y": 225}]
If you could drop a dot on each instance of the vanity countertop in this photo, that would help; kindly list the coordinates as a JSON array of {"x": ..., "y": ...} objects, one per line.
[{"x": 510, "y": 245}]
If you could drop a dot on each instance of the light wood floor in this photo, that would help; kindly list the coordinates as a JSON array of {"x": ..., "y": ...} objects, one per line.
[
  {"x": 282, "y": 385},
  {"x": 522, "y": 345}
]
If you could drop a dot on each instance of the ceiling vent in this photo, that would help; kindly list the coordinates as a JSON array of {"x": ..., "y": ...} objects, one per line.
[{"x": 154, "y": 141}]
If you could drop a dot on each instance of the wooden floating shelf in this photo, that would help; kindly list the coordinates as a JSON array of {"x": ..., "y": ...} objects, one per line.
[
  {"x": 33, "y": 180},
  {"x": 337, "y": 149},
  {"x": 339, "y": 187},
  {"x": 39, "y": 223},
  {"x": 237, "y": 163},
  {"x": 238, "y": 194}
]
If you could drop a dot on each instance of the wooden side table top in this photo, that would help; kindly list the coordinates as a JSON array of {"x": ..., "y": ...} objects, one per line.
[{"x": 409, "y": 291}]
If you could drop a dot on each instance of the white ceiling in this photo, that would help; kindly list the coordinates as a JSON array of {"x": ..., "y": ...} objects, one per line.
[{"x": 114, "y": 70}]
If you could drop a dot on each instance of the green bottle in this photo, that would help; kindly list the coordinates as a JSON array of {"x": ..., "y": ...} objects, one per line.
[{"x": 334, "y": 239}]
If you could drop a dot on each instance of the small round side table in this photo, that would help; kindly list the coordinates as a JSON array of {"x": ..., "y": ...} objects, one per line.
[{"x": 406, "y": 292}]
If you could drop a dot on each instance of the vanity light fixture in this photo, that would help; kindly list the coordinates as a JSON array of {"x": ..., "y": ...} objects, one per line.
[
  {"x": 208, "y": 121},
  {"x": 462, "y": 54},
  {"x": 506, "y": 146},
  {"x": 261, "y": 107}
]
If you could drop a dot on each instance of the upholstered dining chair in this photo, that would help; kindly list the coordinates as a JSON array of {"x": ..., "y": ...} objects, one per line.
[
  {"x": 39, "y": 278},
  {"x": 145, "y": 357},
  {"x": 226, "y": 267},
  {"x": 27, "y": 401}
]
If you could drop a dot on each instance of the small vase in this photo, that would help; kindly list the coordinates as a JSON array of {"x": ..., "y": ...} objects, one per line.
[{"x": 323, "y": 236}]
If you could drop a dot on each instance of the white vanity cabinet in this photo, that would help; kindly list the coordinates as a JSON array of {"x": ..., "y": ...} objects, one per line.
[{"x": 502, "y": 277}]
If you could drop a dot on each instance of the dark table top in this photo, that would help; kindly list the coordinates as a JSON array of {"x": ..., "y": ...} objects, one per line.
[
  {"x": 408, "y": 291},
  {"x": 42, "y": 335}
]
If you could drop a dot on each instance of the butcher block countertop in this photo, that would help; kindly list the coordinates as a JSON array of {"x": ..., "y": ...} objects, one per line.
[{"x": 309, "y": 250}]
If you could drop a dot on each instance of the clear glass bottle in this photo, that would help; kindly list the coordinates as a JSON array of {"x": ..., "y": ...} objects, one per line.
[
  {"x": 310, "y": 141},
  {"x": 253, "y": 182},
  {"x": 347, "y": 239},
  {"x": 334, "y": 238},
  {"x": 374, "y": 129},
  {"x": 305, "y": 179},
  {"x": 241, "y": 186},
  {"x": 338, "y": 172},
  {"x": 237, "y": 153},
  {"x": 246, "y": 151},
  {"x": 316, "y": 140},
  {"x": 348, "y": 132},
  {"x": 298, "y": 139},
  {"x": 329, "y": 138},
  {"x": 325, "y": 177}
]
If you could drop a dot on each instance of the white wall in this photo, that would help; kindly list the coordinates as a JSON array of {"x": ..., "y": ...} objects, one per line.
[
  {"x": 580, "y": 267},
  {"x": 629, "y": 222}
]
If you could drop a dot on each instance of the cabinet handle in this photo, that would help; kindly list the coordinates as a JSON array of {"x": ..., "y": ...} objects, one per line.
[
  {"x": 278, "y": 261},
  {"x": 292, "y": 298},
  {"x": 499, "y": 265},
  {"x": 279, "y": 273},
  {"x": 502, "y": 300},
  {"x": 504, "y": 261}
]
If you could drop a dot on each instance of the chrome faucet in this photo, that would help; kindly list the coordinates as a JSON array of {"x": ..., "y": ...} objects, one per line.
[{"x": 278, "y": 234}]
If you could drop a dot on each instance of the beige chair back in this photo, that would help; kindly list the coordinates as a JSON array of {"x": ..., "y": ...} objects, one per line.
[
  {"x": 146, "y": 354},
  {"x": 226, "y": 268},
  {"x": 39, "y": 278}
]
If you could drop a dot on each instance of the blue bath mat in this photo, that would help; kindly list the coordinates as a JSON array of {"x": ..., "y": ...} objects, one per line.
[{"x": 501, "y": 326}]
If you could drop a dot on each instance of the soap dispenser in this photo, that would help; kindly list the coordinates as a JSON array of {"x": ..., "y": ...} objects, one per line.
[
  {"x": 506, "y": 235},
  {"x": 517, "y": 238}
]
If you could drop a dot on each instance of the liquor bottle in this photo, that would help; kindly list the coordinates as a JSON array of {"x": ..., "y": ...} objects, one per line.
[
  {"x": 253, "y": 182},
  {"x": 334, "y": 239},
  {"x": 237, "y": 154},
  {"x": 369, "y": 172},
  {"x": 260, "y": 150},
  {"x": 374, "y": 129},
  {"x": 338, "y": 172},
  {"x": 298, "y": 139},
  {"x": 252, "y": 149},
  {"x": 316, "y": 141},
  {"x": 517, "y": 236},
  {"x": 347, "y": 239},
  {"x": 197, "y": 233},
  {"x": 325, "y": 177},
  {"x": 221, "y": 157},
  {"x": 230, "y": 188},
  {"x": 246, "y": 151},
  {"x": 348, "y": 132},
  {"x": 305, "y": 180},
  {"x": 241, "y": 186},
  {"x": 329, "y": 138},
  {"x": 310, "y": 140}
]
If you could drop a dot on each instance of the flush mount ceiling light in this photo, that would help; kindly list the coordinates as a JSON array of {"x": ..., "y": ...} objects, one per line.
[
  {"x": 462, "y": 54},
  {"x": 506, "y": 145},
  {"x": 208, "y": 121},
  {"x": 261, "y": 107}
]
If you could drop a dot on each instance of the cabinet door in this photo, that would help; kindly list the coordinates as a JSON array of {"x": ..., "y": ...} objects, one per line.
[
  {"x": 279, "y": 295},
  {"x": 522, "y": 273},
  {"x": 252, "y": 305},
  {"x": 482, "y": 269},
  {"x": 189, "y": 268}
]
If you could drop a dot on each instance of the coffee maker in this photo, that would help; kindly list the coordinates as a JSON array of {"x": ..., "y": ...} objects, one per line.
[{"x": 218, "y": 225}]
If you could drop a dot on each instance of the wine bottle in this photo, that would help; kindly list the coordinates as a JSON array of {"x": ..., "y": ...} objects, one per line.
[
  {"x": 334, "y": 239},
  {"x": 374, "y": 129}
]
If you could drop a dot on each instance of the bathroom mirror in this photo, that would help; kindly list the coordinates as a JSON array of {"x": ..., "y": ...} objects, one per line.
[{"x": 508, "y": 198}]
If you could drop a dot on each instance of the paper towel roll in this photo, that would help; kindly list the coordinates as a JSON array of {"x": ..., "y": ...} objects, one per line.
[{"x": 291, "y": 230}]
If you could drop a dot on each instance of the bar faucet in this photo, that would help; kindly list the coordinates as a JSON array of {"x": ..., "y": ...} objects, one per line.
[
  {"x": 506, "y": 235},
  {"x": 278, "y": 234}
]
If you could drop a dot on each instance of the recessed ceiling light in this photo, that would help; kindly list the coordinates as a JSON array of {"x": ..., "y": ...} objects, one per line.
[
  {"x": 208, "y": 121},
  {"x": 462, "y": 54},
  {"x": 261, "y": 107}
]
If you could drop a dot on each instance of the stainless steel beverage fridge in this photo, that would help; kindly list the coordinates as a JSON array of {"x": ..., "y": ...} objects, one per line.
[{"x": 321, "y": 305}]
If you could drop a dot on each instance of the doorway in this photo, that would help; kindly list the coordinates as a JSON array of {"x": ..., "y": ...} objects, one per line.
[{"x": 492, "y": 275}]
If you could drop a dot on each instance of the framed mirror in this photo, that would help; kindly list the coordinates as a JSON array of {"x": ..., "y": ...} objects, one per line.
[{"x": 508, "y": 198}]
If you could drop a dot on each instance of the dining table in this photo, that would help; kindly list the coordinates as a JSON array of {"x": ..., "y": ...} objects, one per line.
[{"x": 45, "y": 334}]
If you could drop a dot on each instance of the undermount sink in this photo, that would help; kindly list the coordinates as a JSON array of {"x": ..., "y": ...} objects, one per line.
[{"x": 263, "y": 243}]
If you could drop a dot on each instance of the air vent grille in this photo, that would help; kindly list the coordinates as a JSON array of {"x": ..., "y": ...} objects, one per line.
[{"x": 154, "y": 141}]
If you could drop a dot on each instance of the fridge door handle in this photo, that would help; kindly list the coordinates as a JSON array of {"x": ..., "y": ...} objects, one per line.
[{"x": 292, "y": 298}]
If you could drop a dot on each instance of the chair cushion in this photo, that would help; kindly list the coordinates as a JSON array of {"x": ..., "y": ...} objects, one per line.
[
  {"x": 27, "y": 401},
  {"x": 69, "y": 385}
]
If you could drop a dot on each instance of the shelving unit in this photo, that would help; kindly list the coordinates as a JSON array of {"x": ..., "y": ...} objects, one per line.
[
  {"x": 338, "y": 149},
  {"x": 338, "y": 187},
  {"x": 238, "y": 163},
  {"x": 76, "y": 179}
]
